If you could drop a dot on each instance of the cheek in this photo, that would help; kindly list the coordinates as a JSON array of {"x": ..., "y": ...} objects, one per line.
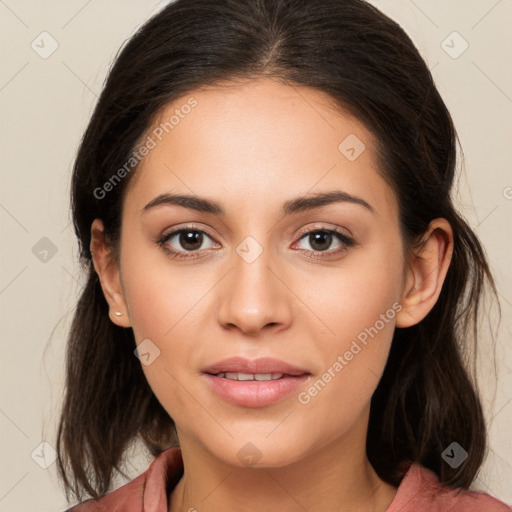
[
  {"x": 159, "y": 314},
  {"x": 166, "y": 307},
  {"x": 359, "y": 306},
  {"x": 353, "y": 297},
  {"x": 159, "y": 296},
  {"x": 353, "y": 364}
]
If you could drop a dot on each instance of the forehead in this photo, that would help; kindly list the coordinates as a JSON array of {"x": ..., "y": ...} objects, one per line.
[{"x": 258, "y": 141}]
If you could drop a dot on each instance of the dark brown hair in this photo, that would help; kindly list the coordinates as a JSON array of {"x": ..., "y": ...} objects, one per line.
[{"x": 370, "y": 68}]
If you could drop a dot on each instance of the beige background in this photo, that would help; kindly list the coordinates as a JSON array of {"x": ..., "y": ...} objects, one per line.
[{"x": 45, "y": 105}]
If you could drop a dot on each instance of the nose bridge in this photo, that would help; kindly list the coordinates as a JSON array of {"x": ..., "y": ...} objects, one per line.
[{"x": 253, "y": 296}]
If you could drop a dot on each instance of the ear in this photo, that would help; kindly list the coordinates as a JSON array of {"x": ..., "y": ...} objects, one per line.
[
  {"x": 107, "y": 269},
  {"x": 426, "y": 273}
]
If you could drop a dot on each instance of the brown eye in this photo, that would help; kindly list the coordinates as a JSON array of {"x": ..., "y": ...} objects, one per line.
[
  {"x": 320, "y": 240},
  {"x": 184, "y": 242},
  {"x": 190, "y": 240}
]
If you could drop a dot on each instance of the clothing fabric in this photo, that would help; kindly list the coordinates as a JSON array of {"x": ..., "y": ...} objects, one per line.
[{"x": 419, "y": 491}]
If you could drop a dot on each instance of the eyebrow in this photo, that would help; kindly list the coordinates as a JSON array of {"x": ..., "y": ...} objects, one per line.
[{"x": 291, "y": 206}]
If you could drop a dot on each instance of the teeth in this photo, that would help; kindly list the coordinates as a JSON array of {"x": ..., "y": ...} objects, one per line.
[
  {"x": 267, "y": 376},
  {"x": 250, "y": 376},
  {"x": 244, "y": 376}
]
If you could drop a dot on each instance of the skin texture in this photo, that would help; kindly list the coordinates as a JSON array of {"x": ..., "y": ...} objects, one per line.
[{"x": 251, "y": 147}]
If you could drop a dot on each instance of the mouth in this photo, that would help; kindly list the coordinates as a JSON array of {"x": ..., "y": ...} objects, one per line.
[
  {"x": 252, "y": 376},
  {"x": 257, "y": 383},
  {"x": 262, "y": 367}
]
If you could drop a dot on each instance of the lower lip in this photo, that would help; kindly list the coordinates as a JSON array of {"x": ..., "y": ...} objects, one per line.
[{"x": 254, "y": 393}]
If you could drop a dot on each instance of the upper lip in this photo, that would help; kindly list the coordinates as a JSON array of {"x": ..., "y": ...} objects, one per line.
[{"x": 261, "y": 365}]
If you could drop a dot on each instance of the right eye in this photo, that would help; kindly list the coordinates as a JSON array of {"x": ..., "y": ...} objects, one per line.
[{"x": 184, "y": 240}]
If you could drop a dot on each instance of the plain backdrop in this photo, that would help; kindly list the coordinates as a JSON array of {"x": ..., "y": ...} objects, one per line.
[{"x": 47, "y": 93}]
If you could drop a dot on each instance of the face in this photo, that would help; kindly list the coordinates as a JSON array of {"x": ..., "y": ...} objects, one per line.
[{"x": 314, "y": 285}]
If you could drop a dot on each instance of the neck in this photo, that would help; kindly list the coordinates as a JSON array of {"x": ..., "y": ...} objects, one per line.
[{"x": 335, "y": 478}]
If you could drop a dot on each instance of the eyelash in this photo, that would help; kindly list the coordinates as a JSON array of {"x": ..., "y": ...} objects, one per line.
[{"x": 342, "y": 237}]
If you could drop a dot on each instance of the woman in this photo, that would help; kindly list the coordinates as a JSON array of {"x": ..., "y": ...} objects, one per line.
[{"x": 263, "y": 370}]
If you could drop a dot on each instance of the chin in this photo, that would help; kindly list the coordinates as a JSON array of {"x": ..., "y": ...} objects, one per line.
[{"x": 258, "y": 451}]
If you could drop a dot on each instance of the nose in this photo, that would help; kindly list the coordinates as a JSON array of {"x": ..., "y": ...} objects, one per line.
[{"x": 254, "y": 295}]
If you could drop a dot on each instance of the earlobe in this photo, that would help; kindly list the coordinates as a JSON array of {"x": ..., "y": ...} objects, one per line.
[
  {"x": 426, "y": 273},
  {"x": 107, "y": 269}
]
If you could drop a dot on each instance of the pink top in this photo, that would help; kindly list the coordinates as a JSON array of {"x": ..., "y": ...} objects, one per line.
[{"x": 419, "y": 491}]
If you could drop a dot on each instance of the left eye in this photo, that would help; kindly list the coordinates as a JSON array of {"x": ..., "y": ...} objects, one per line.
[{"x": 321, "y": 240}]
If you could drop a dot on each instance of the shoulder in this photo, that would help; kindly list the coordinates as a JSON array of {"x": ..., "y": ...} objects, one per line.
[
  {"x": 421, "y": 491},
  {"x": 148, "y": 491}
]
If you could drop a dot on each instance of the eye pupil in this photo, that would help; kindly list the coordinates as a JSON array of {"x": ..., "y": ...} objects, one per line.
[
  {"x": 319, "y": 237},
  {"x": 191, "y": 240}
]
